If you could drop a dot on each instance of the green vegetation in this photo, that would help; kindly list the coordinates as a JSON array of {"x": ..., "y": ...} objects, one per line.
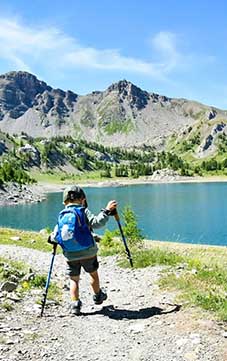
[
  {"x": 117, "y": 126},
  {"x": 65, "y": 159},
  {"x": 203, "y": 286},
  {"x": 152, "y": 257},
  {"x": 110, "y": 119},
  {"x": 27, "y": 239},
  {"x": 94, "y": 161},
  {"x": 13, "y": 270},
  {"x": 111, "y": 244},
  {"x": 6, "y": 306},
  {"x": 12, "y": 172},
  {"x": 132, "y": 233},
  {"x": 191, "y": 143},
  {"x": 187, "y": 145}
]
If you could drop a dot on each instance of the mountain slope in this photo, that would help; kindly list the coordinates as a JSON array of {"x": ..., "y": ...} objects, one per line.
[{"x": 121, "y": 115}]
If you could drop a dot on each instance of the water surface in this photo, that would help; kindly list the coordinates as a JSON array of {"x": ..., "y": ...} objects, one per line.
[{"x": 185, "y": 212}]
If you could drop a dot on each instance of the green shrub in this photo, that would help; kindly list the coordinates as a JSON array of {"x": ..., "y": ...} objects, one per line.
[
  {"x": 38, "y": 281},
  {"x": 10, "y": 268},
  {"x": 6, "y": 306},
  {"x": 109, "y": 245},
  {"x": 131, "y": 230},
  {"x": 111, "y": 242}
]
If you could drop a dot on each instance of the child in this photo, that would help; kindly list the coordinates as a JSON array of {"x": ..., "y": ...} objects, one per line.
[{"x": 73, "y": 233}]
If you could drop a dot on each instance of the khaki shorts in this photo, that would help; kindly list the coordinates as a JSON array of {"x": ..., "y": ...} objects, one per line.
[{"x": 89, "y": 265}]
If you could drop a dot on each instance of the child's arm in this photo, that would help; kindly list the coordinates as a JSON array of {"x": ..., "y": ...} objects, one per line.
[
  {"x": 102, "y": 218},
  {"x": 97, "y": 221}
]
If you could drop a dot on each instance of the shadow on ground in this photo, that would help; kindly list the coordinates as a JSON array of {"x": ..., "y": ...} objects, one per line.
[{"x": 143, "y": 313}]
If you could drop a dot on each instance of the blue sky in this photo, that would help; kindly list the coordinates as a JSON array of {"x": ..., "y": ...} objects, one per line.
[{"x": 174, "y": 48}]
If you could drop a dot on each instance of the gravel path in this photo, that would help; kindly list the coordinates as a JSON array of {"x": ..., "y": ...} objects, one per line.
[{"x": 138, "y": 321}]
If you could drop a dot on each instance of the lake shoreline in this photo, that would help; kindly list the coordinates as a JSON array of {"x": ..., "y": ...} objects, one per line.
[
  {"x": 13, "y": 194},
  {"x": 54, "y": 187}
]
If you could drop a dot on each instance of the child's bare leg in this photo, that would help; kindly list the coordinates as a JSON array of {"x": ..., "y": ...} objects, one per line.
[
  {"x": 74, "y": 288},
  {"x": 99, "y": 295},
  {"x": 95, "y": 281}
]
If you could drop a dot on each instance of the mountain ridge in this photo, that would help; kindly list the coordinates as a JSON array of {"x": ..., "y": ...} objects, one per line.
[{"x": 123, "y": 114}]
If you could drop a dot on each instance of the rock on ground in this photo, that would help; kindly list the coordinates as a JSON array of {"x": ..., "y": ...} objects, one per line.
[{"x": 14, "y": 193}]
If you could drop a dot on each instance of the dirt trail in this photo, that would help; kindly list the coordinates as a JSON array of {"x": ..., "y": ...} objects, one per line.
[{"x": 138, "y": 321}]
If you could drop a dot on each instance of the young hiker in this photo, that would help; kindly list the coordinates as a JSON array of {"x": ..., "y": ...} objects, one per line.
[{"x": 74, "y": 233}]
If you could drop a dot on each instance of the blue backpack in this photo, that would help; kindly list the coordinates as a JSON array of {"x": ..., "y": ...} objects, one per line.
[{"x": 73, "y": 233}]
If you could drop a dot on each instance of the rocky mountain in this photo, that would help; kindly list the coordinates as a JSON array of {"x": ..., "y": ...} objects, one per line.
[{"x": 121, "y": 115}]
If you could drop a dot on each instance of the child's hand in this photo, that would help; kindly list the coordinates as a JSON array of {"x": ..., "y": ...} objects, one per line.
[
  {"x": 111, "y": 206},
  {"x": 51, "y": 239}
]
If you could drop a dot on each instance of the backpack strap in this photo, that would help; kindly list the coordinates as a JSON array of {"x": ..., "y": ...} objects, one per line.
[{"x": 77, "y": 216}]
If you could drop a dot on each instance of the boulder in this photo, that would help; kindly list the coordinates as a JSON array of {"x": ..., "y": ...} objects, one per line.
[
  {"x": 104, "y": 157},
  {"x": 211, "y": 114},
  {"x": 15, "y": 238},
  {"x": 30, "y": 276},
  {"x": 8, "y": 286},
  {"x": 208, "y": 143},
  {"x": 70, "y": 145},
  {"x": 43, "y": 232},
  {"x": 2, "y": 147},
  {"x": 32, "y": 151}
]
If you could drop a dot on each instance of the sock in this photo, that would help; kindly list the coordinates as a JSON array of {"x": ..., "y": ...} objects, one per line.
[{"x": 74, "y": 298}]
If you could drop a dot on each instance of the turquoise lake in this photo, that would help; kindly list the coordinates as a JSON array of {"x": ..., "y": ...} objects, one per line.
[{"x": 190, "y": 212}]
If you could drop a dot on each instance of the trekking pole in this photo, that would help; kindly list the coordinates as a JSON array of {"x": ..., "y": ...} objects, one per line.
[
  {"x": 116, "y": 216},
  {"x": 48, "y": 279}
]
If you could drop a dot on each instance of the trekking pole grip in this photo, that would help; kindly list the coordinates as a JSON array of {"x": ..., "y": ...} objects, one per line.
[
  {"x": 116, "y": 216},
  {"x": 54, "y": 248}
]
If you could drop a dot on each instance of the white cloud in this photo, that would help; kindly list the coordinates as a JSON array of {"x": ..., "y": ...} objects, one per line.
[
  {"x": 165, "y": 43},
  {"x": 108, "y": 60},
  {"x": 25, "y": 47}
]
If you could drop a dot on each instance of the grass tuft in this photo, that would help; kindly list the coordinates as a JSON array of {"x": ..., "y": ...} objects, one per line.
[
  {"x": 156, "y": 256},
  {"x": 206, "y": 288},
  {"x": 28, "y": 239}
]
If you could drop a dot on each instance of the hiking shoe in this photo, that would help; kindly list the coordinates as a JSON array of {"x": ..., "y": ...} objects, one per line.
[
  {"x": 98, "y": 298},
  {"x": 75, "y": 307}
]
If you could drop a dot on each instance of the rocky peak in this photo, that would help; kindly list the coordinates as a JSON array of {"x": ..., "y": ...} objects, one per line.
[
  {"x": 21, "y": 90},
  {"x": 18, "y": 91},
  {"x": 24, "y": 82},
  {"x": 120, "y": 86},
  {"x": 128, "y": 91}
]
